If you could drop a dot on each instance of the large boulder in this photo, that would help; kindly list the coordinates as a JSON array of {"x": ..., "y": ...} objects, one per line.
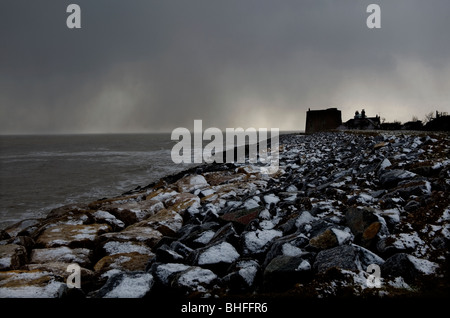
[
  {"x": 106, "y": 217},
  {"x": 217, "y": 257},
  {"x": 407, "y": 266},
  {"x": 399, "y": 243},
  {"x": 131, "y": 261},
  {"x": 31, "y": 284},
  {"x": 242, "y": 217},
  {"x": 342, "y": 257},
  {"x": 166, "y": 221},
  {"x": 284, "y": 271},
  {"x": 194, "y": 280},
  {"x": 242, "y": 275},
  {"x": 27, "y": 226},
  {"x": 182, "y": 201},
  {"x": 133, "y": 211},
  {"x": 127, "y": 285},
  {"x": 112, "y": 247},
  {"x": 390, "y": 178},
  {"x": 289, "y": 245},
  {"x": 87, "y": 276},
  {"x": 63, "y": 254},
  {"x": 325, "y": 240},
  {"x": 364, "y": 224},
  {"x": 190, "y": 183},
  {"x": 164, "y": 272},
  {"x": 73, "y": 236},
  {"x": 145, "y": 235},
  {"x": 347, "y": 257},
  {"x": 258, "y": 242}
]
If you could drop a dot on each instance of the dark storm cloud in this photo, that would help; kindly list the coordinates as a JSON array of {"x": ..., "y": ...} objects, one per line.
[{"x": 157, "y": 65}]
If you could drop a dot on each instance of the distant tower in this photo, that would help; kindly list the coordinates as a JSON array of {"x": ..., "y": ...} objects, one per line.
[{"x": 322, "y": 120}]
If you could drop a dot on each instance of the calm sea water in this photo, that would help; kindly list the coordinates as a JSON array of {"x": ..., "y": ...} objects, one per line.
[{"x": 39, "y": 173}]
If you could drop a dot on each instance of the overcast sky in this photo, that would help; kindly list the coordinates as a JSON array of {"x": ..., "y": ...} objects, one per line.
[{"x": 143, "y": 66}]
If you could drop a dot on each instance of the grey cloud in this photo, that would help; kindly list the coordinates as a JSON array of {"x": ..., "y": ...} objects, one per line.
[{"x": 156, "y": 65}]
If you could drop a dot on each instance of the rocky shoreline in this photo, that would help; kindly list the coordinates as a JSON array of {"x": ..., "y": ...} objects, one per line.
[{"x": 341, "y": 201}]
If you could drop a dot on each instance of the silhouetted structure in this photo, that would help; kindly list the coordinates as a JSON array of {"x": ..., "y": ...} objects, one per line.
[
  {"x": 322, "y": 120},
  {"x": 413, "y": 125},
  {"x": 440, "y": 123},
  {"x": 361, "y": 121}
]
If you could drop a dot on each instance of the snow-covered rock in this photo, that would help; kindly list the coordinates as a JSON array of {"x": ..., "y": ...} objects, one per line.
[
  {"x": 258, "y": 241},
  {"x": 127, "y": 285},
  {"x": 195, "y": 279},
  {"x": 31, "y": 284},
  {"x": 221, "y": 253},
  {"x": 63, "y": 254}
]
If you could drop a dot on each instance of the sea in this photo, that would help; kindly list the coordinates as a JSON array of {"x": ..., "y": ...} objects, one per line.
[{"x": 41, "y": 172}]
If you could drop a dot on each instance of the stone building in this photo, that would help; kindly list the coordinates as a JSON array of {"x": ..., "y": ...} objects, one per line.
[{"x": 322, "y": 120}]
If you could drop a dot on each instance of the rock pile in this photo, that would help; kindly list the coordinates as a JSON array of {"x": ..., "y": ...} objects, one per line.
[{"x": 339, "y": 203}]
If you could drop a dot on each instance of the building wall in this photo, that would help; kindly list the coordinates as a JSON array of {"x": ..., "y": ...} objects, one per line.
[{"x": 322, "y": 120}]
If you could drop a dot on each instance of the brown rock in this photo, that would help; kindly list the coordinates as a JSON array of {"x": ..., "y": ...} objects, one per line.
[
  {"x": 133, "y": 211},
  {"x": 24, "y": 241},
  {"x": 61, "y": 254},
  {"x": 371, "y": 231},
  {"x": 325, "y": 240},
  {"x": 70, "y": 209},
  {"x": 166, "y": 221},
  {"x": 60, "y": 269},
  {"x": 12, "y": 256},
  {"x": 71, "y": 235},
  {"x": 358, "y": 219},
  {"x": 162, "y": 194},
  {"x": 380, "y": 145},
  {"x": 220, "y": 177},
  {"x": 190, "y": 183},
  {"x": 145, "y": 235},
  {"x": 119, "y": 200},
  {"x": 15, "y": 229},
  {"x": 124, "y": 262},
  {"x": 242, "y": 217},
  {"x": 31, "y": 284},
  {"x": 182, "y": 201}
]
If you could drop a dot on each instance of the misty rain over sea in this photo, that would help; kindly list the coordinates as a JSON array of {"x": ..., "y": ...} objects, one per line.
[{"x": 41, "y": 172}]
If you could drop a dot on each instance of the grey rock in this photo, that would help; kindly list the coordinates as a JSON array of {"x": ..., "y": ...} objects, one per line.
[
  {"x": 164, "y": 272},
  {"x": 127, "y": 285},
  {"x": 284, "y": 271},
  {"x": 342, "y": 257},
  {"x": 226, "y": 233},
  {"x": 412, "y": 206},
  {"x": 181, "y": 249},
  {"x": 400, "y": 265},
  {"x": 361, "y": 223},
  {"x": 167, "y": 255},
  {"x": 390, "y": 178},
  {"x": 194, "y": 280},
  {"x": 297, "y": 240},
  {"x": 242, "y": 275},
  {"x": 349, "y": 257}
]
